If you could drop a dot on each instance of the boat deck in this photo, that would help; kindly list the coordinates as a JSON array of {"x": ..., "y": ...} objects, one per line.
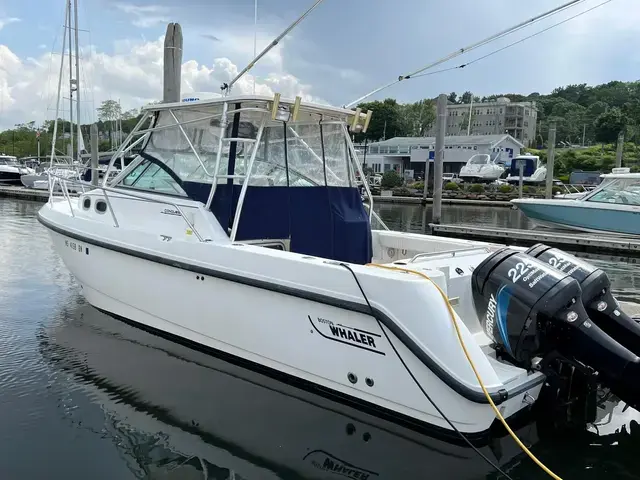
[{"x": 576, "y": 241}]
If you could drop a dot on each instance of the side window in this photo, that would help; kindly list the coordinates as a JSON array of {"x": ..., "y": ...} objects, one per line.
[{"x": 151, "y": 177}]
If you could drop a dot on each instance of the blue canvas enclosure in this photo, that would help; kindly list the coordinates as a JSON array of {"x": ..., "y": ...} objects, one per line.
[
  {"x": 529, "y": 167},
  {"x": 327, "y": 222}
]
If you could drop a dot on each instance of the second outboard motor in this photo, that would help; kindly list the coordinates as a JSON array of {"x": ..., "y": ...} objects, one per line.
[
  {"x": 597, "y": 299},
  {"x": 531, "y": 309}
]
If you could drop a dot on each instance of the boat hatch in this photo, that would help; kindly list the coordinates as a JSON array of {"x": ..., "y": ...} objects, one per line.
[{"x": 263, "y": 178}]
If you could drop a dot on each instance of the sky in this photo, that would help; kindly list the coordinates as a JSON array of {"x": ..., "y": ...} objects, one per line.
[{"x": 341, "y": 51}]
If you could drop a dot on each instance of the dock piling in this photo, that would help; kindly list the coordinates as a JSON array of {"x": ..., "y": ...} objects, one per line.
[
  {"x": 620, "y": 149},
  {"x": 441, "y": 126},
  {"x": 551, "y": 154},
  {"x": 94, "y": 154}
]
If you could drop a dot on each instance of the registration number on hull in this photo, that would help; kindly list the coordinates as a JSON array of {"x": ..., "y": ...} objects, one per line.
[{"x": 78, "y": 247}]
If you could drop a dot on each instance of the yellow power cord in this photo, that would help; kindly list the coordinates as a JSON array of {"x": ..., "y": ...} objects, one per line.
[{"x": 473, "y": 367}]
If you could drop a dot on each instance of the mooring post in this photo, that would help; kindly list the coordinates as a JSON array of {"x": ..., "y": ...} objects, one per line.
[
  {"x": 94, "y": 154},
  {"x": 172, "y": 63},
  {"x": 551, "y": 156},
  {"x": 425, "y": 190},
  {"x": 441, "y": 126},
  {"x": 520, "y": 177},
  {"x": 620, "y": 149}
]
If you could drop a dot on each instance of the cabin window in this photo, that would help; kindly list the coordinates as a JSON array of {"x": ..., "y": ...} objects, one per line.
[{"x": 150, "y": 176}]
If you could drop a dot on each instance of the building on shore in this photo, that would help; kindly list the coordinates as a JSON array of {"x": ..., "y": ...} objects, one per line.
[
  {"x": 410, "y": 154},
  {"x": 518, "y": 119}
]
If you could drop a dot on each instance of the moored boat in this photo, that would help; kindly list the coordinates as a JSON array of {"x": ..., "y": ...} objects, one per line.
[
  {"x": 613, "y": 207},
  {"x": 252, "y": 197}
]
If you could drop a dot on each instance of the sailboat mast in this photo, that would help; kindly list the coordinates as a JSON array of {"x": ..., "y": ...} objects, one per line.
[
  {"x": 55, "y": 123},
  {"x": 70, "y": 80},
  {"x": 79, "y": 132}
]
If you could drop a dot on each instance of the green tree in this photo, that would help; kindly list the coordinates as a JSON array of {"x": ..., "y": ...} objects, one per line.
[
  {"x": 385, "y": 122},
  {"x": 417, "y": 118},
  {"x": 609, "y": 124},
  {"x": 453, "y": 97},
  {"x": 466, "y": 97}
]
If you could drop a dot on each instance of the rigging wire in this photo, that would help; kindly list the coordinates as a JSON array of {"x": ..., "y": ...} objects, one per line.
[
  {"x": 227, "y": 86},
  {"x": 415, "y": 380},
  {"x": 514, "y": 43},
  {"x": 471, "y": 47}
]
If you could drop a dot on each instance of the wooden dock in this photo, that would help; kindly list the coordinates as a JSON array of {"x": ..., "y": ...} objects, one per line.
[{"x": 576, "y": 241}]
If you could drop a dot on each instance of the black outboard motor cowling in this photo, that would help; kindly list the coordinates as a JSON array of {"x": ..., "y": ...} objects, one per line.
[
  {"x": 597, "y": 299},
  {"x": 514, "y": 294},
  {"x": 532, "y": 309}
]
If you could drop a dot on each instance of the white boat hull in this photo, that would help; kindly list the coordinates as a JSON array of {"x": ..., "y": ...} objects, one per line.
[{"x": 320, "y": 338}]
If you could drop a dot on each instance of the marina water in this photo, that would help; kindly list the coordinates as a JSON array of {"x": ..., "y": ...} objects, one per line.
[{"x": 83, "y": 395}]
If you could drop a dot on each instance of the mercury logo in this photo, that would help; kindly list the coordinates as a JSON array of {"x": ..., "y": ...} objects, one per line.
[{"x": 491, "y": 314}]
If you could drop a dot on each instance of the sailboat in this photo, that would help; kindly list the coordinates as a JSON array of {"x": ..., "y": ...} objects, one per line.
[{"x": 69, "y": 165}]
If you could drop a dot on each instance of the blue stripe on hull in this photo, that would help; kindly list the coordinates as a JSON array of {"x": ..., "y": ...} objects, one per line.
[{"x": 587, "y": 218}]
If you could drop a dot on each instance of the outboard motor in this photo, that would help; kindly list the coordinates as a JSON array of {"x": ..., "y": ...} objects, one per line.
[
  {"x": 531, "y": 309},
  {"x": 597, "y": 299}
]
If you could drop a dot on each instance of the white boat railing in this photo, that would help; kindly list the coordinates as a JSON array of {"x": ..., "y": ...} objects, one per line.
[{"x": 104, "y": 189}]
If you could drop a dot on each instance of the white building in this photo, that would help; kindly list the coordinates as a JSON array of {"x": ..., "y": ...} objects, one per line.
[
  {"x": 411, "y": 153},
  {"x": 518, "y": 119}
]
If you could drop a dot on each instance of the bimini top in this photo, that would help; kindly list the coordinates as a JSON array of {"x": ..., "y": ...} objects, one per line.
[{"x": 307, "y": 106}]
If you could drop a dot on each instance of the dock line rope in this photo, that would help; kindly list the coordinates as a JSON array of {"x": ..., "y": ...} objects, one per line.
[
  {"x": 440, "y": 412},
  {"x": 472, "y": 364}
]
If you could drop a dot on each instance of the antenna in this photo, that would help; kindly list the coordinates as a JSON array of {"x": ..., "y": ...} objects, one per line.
[
  {"x": 227, "y": 86},
  {"x": 473, "y": 46},
  {"x": 255, "y": 38}
]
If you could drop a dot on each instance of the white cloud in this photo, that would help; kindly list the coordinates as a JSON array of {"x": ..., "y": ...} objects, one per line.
[
  {"x": 133, "y": 75},
  {"x": 144, "y": 16},
  {"x": 6, "y": 21}
]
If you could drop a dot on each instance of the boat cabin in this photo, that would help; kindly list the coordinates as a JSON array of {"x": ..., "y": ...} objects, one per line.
[
  {"x": 530, "y": 165},
  {"x": 269, "y": 170}
]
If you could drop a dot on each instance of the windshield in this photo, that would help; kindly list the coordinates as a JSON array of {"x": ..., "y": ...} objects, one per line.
[
  {"x": 479, "y": 160},
  {"x": 12, "y": 161},
  {"x": 304, "y": 153},
  {"x": 620, "y": 191}
]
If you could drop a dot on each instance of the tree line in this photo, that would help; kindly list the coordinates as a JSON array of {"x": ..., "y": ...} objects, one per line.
[
  {"x": 582, "y": 113},
  {"x": 22, "y": 140},
  {"x": 595, "y": 114}
]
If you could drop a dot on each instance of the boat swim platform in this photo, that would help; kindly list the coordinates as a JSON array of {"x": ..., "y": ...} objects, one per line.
[
  {"x": 24, "y": 193},
  {"x": 575, "y": 241}
]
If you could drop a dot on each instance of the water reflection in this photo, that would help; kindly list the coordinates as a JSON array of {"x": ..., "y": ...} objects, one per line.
[{"x": 164, "y": 403}]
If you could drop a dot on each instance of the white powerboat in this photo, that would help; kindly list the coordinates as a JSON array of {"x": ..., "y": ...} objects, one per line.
[
  {"x": 254, "y": 198},
  {"x": 11, "y": 170},
  {"x": 534, "y": 173},
  {"x": 612, "y": 207},
  {"x": 480, "y": 168}
]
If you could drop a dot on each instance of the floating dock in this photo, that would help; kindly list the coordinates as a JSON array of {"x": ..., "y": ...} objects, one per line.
[
  {"x": 445, "y": 201},
  {"x": 25, "y": 193},
  {"x": 16, "y": 191},
  {"x": 576, "y": 241}
]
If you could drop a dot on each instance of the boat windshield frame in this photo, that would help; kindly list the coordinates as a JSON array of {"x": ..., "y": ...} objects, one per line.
[
  {"x": 242, "y": 134},
  {"x": 611, "y": 188}
]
